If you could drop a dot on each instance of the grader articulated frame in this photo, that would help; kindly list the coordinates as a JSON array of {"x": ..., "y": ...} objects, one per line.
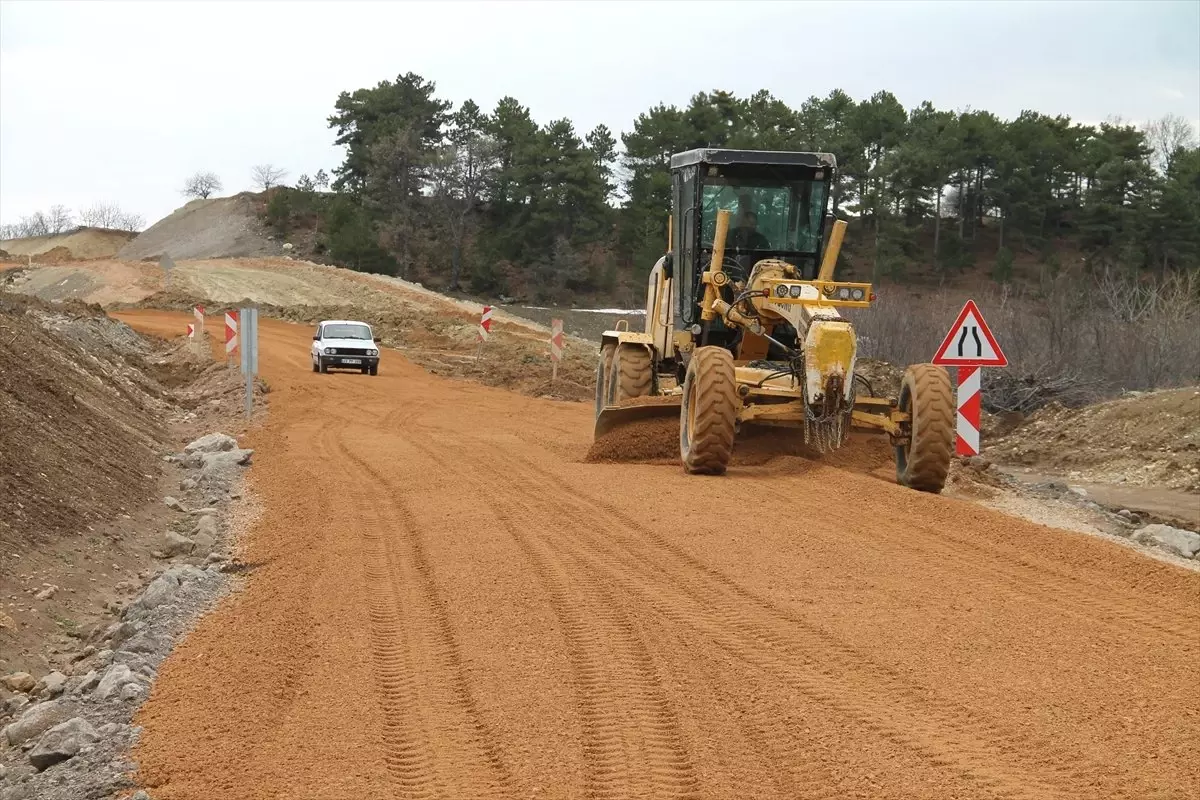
[{"x": 742, "y": 325}]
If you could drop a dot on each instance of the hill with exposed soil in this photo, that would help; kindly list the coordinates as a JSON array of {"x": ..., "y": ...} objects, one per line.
[
  {"x": 81, "y": 243},
  {"x": 221, "y": 227}
]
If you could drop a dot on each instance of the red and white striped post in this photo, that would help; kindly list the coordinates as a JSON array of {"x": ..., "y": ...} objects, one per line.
[
  {"x": 968, "y": 347},
  {"x": 969, "y": 407},
  {"x": 231, "y": 336},
  {"x": 485, "y": 330},
  {"x": 485, "y": 324},
  {"x": 556, "y": 347}
]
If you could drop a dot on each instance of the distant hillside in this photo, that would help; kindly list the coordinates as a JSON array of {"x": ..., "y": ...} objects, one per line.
[
  {"x": 82, "y": 243},
  {"x": 222, "y": 227}
]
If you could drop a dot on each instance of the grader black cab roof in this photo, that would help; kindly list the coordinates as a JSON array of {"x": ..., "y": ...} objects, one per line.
[{"x": 721, "y": 156}]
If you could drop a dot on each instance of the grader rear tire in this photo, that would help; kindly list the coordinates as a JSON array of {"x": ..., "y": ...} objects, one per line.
[
  {"x": 926, "y": 394},
  {"x": 603, "y": 367},
  {"x": 631, "y": 373},
  {"x": 708, "y": 416}
]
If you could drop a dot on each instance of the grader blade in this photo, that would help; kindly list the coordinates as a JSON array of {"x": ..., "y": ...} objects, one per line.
[{"x": 615, "y": 416}]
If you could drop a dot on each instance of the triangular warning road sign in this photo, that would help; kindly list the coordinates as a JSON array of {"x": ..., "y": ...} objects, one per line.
[{"x": 970, "y": 342}]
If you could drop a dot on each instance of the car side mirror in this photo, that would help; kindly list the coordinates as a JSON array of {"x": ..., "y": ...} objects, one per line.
[{"x": 316, "y": 338}]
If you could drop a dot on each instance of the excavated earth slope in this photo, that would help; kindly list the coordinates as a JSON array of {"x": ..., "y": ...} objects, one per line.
[
  {"x": 219, "y": 227},
  {"x": 80, "y": 243},
  {"x": 445, "y": 598}
]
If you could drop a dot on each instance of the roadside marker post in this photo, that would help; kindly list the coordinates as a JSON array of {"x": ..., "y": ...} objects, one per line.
[
  {"x": 191, "y": 330},
  {"x": 248, "y": 347},
  {"x": 167, "y": 265},
  {"x": 231, "y": 336},
  {"x": 556, "y": 347},
  {"x": 485, "y": 324},
  {"x": 485, "y": 330},
  {"x": 198, "y": 313},
  {"x": 968, "y": 347}
]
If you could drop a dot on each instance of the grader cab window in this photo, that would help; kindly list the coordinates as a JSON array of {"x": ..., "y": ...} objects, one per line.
[{"x": 778, "y": 216}]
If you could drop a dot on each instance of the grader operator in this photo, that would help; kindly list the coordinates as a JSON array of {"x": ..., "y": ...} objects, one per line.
[{"x": 742, "y": 324}]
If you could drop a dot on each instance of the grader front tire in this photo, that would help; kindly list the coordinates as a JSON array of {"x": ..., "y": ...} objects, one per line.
[
  {"x": 708, "y": 415},
  {"x": 631, "y": 373},
  {"x": 926, "y": 394}
]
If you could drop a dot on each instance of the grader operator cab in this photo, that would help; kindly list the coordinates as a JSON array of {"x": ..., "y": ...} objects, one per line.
[{"x": 742, "y": 324}]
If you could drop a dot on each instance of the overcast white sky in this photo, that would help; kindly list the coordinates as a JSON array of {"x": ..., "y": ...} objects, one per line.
[{"x": 108, "y": 101}]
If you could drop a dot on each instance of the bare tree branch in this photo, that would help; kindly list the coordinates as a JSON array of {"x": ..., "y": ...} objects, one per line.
[
  {"x": 202, "y": 184},
  {"x": 1167, "y": 136},
  {"x": 267, "y": 175},
  {"x": 110, "y": 215},
  {"x": 58, "y": 220}
]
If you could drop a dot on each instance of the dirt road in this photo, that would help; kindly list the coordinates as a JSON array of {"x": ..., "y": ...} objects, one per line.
[{"x": 445, "y": 601}]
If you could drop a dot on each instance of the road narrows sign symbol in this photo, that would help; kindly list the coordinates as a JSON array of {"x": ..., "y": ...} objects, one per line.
[
  {"x": 969, "y": 345},
  {"x": 970, "y": 342}
]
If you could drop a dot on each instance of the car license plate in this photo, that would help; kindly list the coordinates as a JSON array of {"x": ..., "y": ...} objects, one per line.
[{"x": 351, "y": 361}]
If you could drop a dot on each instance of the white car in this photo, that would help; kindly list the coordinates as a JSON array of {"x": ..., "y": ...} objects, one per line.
[{"x": 345, "y": 344}]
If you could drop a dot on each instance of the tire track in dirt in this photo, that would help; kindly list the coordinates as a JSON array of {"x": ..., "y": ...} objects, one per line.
[
  {"x": 743, "y": 635},
  {"x": 421, "y": 670},
  {"x": 1053, "y": 590},
  {"x": 983, "y": 749},
  {"x": 633, "y": 745},
  {"x": 791, "y": 765},
  {"x": 949, "y": 737},
  {"x": 408, "y": 750}
]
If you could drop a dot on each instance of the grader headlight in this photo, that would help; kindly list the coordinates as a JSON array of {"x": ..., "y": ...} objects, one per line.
[
  {"x": 781, "y": 290},
  {"x": 796, "y": 290}
]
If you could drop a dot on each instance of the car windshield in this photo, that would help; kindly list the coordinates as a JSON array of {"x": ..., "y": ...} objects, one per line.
[
  {"x": 765, "y": 215},
  {"x": 347, "y": 332}
]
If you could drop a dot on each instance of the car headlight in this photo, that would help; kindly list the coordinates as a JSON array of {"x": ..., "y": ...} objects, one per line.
[
  {"x": 330, "y": 351},
  {"x": 781, "y": 290},
  {"x": 797, "y": 290},
  {"x": 372, "y": 352},
  {"x": 857, "y": 294}
]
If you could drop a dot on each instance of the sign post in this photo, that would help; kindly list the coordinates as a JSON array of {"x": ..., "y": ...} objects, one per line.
[
  {"x": 968, "y": 347},
  {"x": 248, "y": 347},
  {"x": 201, "y": 341},
  {"x": 167, "y": 265},
  {"x": 556, "y": 347}
]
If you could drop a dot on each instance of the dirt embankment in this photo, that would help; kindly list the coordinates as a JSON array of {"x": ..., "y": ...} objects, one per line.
[
  {"x": 1146, "y": 439},
  {"x": 87, "y": 409},
  {"x": 80, "y": 421},
  {"x": 81, "y": 243},
  {"x": 220, "y": 227}
]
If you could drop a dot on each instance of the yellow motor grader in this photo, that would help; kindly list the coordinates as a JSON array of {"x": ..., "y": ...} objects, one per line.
[{"x": 742, "y": 324}]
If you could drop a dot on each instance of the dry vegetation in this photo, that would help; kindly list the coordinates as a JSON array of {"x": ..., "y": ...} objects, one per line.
[{"x": 1073, "y": 339}]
